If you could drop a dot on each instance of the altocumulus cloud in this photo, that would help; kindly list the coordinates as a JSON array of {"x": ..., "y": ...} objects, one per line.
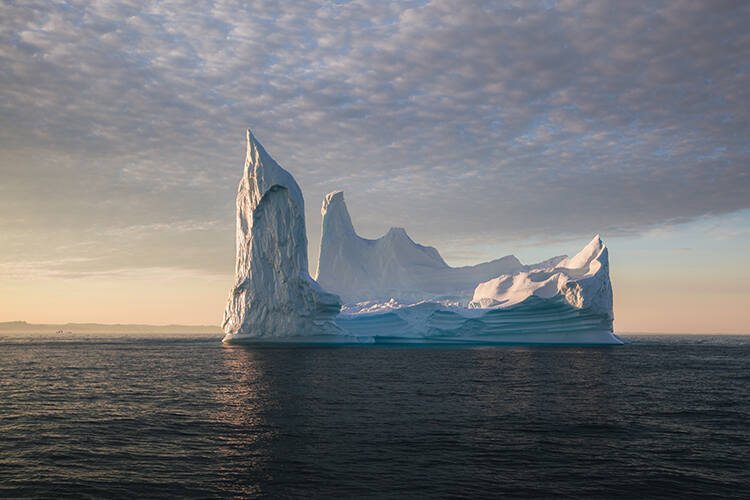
[{"x": 122, "y": 122}]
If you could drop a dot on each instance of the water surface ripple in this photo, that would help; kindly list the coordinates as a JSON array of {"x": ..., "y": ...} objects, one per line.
[{"x": 165, "y": 417}]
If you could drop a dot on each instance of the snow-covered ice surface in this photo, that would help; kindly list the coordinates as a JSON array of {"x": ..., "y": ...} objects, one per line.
[
  {"x": 583, "y": 281},
  {"x": 566, "y": 301},
  {"x": 394, "y": 266},
  {"x": 273, "y": 294},
  {"x": 395, "y": 290}
]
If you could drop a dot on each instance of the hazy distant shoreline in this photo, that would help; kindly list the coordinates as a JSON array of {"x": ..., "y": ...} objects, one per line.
[{"x": 22, "y": 327}]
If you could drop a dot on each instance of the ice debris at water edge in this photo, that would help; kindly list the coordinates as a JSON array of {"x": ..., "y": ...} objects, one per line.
[{"x": 393, "y": 289}]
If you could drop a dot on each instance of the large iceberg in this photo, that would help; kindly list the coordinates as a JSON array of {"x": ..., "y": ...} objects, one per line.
[
  {"x": 273, "y": 294},
  {"x": 395, "y": 290}
]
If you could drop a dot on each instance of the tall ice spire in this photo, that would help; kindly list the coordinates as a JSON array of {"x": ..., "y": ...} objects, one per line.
[{"x": 273, "y": 294}]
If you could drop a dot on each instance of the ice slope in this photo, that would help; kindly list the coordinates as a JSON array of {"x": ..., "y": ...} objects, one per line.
[
  {"x": 566, "y": 301},
  {"x": 273, "y": 295},
  {"x": 392, "y": 266},
  {"x": 581, "y": 281},
  {"x": 535, "y": 320}
]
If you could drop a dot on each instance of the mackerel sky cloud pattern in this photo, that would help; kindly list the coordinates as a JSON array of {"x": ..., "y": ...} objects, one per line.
[{"x": 123, "y": 122}]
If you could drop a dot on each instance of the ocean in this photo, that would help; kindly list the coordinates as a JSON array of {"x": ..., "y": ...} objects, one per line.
[{"x": 139, "y": 416}]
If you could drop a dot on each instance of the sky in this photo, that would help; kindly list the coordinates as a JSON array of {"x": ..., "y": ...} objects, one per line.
[{"x": 483, "y": 128}]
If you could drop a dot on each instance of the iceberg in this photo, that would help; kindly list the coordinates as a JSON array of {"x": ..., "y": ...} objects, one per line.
[
  {"x": 398, "y": 291},
  {"x": 393, "y": 266},
  {"x": 273, "y": 294},
  {"x": 394, "y": 290},
  {"x": 582, "y": 281}
]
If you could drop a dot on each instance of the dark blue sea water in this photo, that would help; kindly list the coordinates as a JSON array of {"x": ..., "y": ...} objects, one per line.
[{"x": 165, "y": 417}]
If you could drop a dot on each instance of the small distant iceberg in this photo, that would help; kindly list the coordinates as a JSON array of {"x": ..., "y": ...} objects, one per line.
[{"x": 392, "y": 290}]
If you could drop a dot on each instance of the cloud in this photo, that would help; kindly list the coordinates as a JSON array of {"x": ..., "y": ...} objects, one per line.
[{"x": 481, "y": 121}]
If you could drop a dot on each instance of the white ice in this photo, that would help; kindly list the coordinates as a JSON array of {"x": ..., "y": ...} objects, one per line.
[
  {"x": 395, "y": 290},
  {"x": 583, "y": 281},
  {"x": 393, "y": 266},
  {"x": 273, "y": 294}
]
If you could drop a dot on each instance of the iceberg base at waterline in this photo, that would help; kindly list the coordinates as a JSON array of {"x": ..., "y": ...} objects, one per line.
[
  {"x": 534, "y": 321},
  {"x": 510, "y": 340}
]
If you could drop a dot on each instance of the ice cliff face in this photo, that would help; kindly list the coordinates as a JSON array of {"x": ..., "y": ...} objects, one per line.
[
  {"x": 582, "y": 281},
  {"x": 273, "y": 294},
  {"x": 392, "y": 266}
]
